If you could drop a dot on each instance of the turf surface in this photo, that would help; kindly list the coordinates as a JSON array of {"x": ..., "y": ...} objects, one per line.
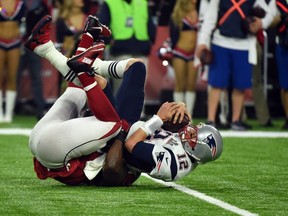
[{"x": 251, "y": 174}]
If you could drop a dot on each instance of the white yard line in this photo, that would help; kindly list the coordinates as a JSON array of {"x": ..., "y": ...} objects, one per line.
[
  {"x": 268, "y": 134},
  {"x": 204, "y": 197},
  {"x": 15, "y": 131}
]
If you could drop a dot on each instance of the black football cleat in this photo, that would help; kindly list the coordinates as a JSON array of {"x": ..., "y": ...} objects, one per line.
[
  {"x": 95, "y": 28},
  {"x": 83, "y": 61},
  {"x": 40, "y": 33}
]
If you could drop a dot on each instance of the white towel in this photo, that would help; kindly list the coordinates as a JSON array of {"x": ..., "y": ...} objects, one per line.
[
  {"x": 93, "y": 167},
  {"x": 252, "y": 55}
]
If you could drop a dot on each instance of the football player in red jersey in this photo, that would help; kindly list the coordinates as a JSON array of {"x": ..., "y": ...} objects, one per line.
[{"x": 77, "y": 150}]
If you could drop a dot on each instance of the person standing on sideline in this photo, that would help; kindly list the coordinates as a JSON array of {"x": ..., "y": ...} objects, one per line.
[
  {"x": 133, "y": 31},
  {"x": 11, "y": 14},
  {"x": 232, "y": 29},
  {"x": 35, "y": 11},
  {"x": 69, "y": 27},
  {"x": 282, "y": 54},
  {"x": 183, "y": 34},
  {"x": 203, "y": 70},
  {"x": 260, "y": 101}
]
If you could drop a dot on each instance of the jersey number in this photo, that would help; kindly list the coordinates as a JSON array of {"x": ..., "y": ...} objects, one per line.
[{"x": 182, "y": 158}]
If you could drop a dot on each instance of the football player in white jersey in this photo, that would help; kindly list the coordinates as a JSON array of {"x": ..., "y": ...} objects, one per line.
[{"x": 171, "y": 156}]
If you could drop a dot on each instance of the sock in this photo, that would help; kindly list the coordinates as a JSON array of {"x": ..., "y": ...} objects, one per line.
[
  {"x": 58, "y": 60},
  {"x": 178, "y": 96},
  {"x": 9, "y": 105},
  {"x": 224, "y": 107},
  {"x": 190, "y": 97},
  {"x": 86, "y": 42},
  {"x": 71, "y": 84},
  {"x": 113, "y": 69},
  {"x": 98, "y": 102}
]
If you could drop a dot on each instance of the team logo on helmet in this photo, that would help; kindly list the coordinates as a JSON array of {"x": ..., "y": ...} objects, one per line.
[{"x": 211, "y": 143}]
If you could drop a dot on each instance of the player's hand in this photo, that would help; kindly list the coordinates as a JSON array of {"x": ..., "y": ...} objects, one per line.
[
  {"x": 181, "y": 110},
  {"x": 199, "y": 50},
  {"x": 256, "y": 25},
  {"x": 167, "y": 110}
]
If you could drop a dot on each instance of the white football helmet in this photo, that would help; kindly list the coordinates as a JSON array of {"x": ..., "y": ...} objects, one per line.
[{"x": 202, "y": 142}]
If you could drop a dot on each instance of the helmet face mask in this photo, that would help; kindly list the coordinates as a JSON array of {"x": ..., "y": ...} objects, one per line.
[
  {"x": 188, "y": 135},
  {"x": 208, "y": 145}
]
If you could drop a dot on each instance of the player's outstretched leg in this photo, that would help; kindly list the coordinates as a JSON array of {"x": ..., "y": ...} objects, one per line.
[
  {"x": 113, "y": 69},
  {"x": 95, "y": 28},
  {"x": 83, "y": 61},
  {"x": 40, "y": 33},
  {"x": 40, "y": 39},
  {"x": 92, "y": 31},
  {"x": 90, "y": 34},
  {"x": 130, "y": 103},
  {"x": 40, "y": 43},
  {"x": 98, "y": 102}
]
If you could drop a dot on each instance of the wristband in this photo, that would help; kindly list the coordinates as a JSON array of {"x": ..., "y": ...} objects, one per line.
[{"x": 152, "y": 125}]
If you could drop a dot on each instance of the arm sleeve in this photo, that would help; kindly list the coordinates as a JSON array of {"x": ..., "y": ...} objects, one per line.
[
  {"x": 143, "y": 152},
  {"x": 267, "y": 20},
  {"x": 202, "y": 8},
  {"x": 209, "y": 23}
]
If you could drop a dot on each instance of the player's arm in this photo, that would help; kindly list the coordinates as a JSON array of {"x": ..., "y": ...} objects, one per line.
[
  {"x": 114, "y": 169},
  {"x": 165, "y": 113}
]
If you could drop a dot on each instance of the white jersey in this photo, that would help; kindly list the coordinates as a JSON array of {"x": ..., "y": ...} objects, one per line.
[{"x": 172, "y": 161}]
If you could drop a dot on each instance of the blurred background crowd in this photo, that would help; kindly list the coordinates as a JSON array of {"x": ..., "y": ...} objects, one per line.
[{"x": 226, "y": 59}]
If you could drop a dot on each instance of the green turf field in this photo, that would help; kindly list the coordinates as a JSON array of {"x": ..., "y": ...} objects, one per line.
[{"x": 250, "y": 177}]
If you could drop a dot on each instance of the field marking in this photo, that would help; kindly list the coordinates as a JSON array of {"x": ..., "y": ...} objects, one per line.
[
  {"x": 15, "y": 131},
  {"x": 204, "y": 197},
  {"x": 268, "y": 134}
]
